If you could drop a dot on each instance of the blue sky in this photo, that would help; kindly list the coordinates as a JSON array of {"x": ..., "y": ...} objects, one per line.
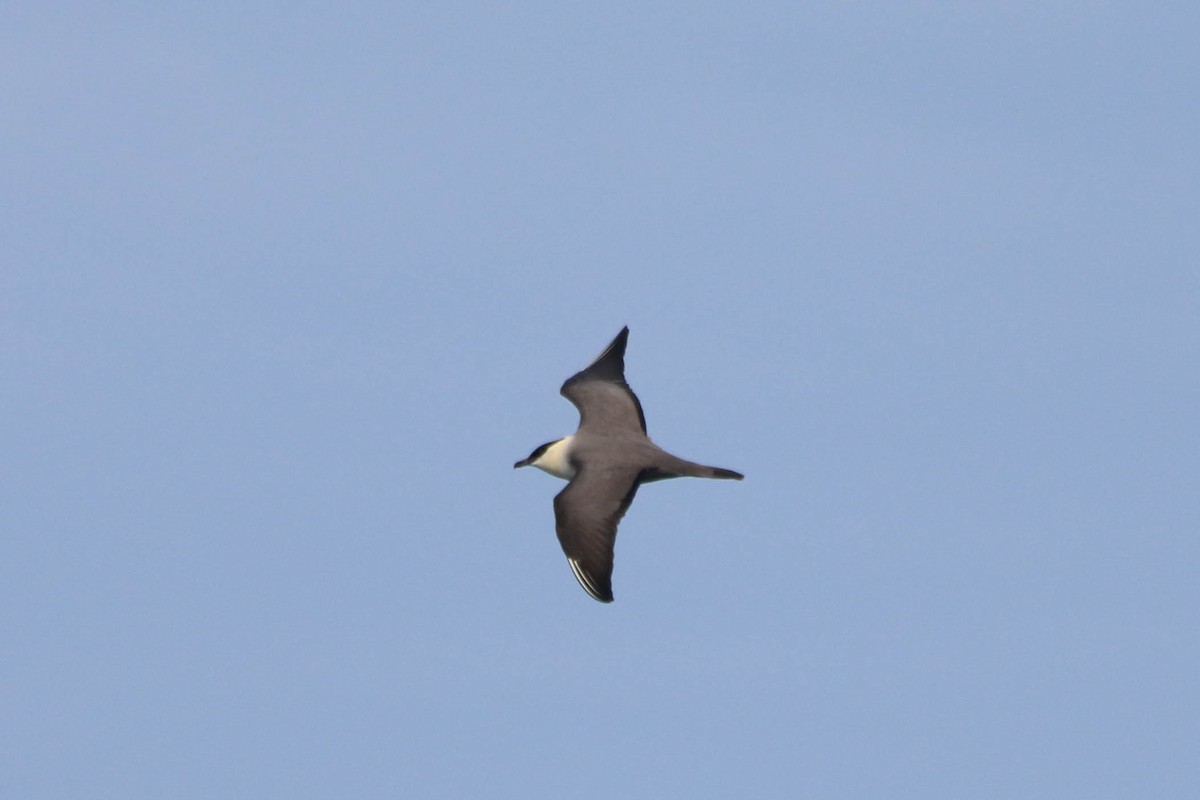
[{"x": 285, "y": 291}]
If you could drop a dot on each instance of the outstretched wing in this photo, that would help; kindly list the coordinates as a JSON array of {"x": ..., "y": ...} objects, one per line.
[
  {"x": 601, "y": 394},
  {"x": 586, "y": 514}
]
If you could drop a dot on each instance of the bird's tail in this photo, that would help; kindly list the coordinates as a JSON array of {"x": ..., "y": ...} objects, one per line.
[
  {"x": 679, "y": 468},
  {"x": 727, "y": 474}
]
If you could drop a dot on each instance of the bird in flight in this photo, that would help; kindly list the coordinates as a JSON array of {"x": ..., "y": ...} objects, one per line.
[{"x": 605, "y": 461}]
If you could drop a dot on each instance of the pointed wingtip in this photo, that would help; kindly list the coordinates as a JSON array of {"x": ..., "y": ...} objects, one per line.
[
  {"x": 609, "y": 365},
  {"x": 618, "y": 344},
  {"x": 620, "y": 339},
  {"x": 601, "y": 592}
]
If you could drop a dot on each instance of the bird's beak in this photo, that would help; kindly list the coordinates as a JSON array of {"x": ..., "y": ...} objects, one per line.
[{"x": 524, "y": 462}]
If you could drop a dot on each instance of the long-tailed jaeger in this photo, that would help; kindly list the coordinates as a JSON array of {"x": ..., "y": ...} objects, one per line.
[{"x": 606, "y": 460}]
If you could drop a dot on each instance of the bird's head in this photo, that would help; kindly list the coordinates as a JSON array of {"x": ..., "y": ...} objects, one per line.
[{"x": 551, "y": 457}]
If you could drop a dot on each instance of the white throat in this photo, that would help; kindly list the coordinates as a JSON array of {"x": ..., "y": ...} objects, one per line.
[{"x": 555, "y": 460}]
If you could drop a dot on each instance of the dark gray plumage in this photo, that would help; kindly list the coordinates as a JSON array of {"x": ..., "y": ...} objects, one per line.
[{"x": 606, "y": 460}]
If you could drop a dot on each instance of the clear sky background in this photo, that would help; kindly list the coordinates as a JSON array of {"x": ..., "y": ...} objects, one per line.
[{"x": 286, "y": 289}]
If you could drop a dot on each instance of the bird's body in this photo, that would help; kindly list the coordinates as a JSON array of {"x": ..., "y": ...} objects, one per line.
[{"x": 606, "y": 460}]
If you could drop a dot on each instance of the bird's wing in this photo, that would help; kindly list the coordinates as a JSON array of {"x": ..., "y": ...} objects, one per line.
[
  {"x": 601, "y": 394},
  {"x": 586, "y": 514}
]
